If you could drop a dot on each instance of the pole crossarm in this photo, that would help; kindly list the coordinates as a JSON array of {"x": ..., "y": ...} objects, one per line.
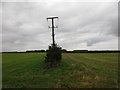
[
  {"x": 52, "y": 17},
  {"x": 51, "y": 27}
]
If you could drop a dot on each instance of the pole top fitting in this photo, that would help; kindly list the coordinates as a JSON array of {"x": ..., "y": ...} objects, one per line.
[{"x": 51, "y": 17}]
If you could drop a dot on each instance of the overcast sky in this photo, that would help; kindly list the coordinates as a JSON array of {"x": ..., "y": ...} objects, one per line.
[{"x": 82, "y": 25}]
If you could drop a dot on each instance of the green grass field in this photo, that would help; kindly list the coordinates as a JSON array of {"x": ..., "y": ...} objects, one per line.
[{"x": 77, "y": 70}]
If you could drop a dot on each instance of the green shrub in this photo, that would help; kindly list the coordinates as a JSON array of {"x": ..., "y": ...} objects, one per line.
[{"x": 53, "y": 57}]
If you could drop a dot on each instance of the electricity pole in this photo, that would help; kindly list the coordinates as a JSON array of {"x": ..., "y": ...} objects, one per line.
[
  {"x": 54, "y": 53},
  {"x": 53, "y": 35}
]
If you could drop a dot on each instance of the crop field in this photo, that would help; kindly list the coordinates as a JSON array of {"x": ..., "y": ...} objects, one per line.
[{"x": 77, "y": 70}]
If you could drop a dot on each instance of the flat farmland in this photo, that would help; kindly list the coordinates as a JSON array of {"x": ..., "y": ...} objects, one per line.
[{"x": 77, "y": 70}]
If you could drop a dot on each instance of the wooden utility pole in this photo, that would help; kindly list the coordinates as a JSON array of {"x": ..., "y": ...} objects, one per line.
[
  {"x": 53, "y": 35},
  {"x": 54, "y": 54}
]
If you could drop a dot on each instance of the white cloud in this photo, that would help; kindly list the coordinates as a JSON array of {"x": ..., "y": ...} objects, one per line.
[{"x": 81, "y": 25}]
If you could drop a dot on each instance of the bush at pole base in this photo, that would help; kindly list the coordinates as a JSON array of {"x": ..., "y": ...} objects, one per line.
[{"x": 53, "y": 56}]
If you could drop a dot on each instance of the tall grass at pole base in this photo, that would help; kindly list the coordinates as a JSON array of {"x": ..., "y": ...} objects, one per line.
[{"x": 53, "y": 56}]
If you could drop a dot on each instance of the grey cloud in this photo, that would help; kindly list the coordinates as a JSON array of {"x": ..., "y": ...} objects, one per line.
[
  {"x": 79, "y": 24},
  {"x": 98, "y": 39}
]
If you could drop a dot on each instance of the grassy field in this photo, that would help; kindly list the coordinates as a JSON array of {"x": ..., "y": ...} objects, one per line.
[{"x": 78, "y": 70}]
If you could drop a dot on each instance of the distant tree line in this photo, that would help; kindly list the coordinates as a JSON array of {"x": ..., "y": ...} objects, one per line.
[
  {"x": 36, "y": 51},
  {"x": 74, "y": 51},
  {"x": 89, "y": 51}
]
